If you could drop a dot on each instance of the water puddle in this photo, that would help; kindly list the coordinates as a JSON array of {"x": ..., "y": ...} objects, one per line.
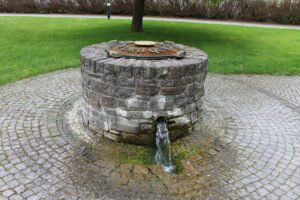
[{"x": 199, "y": 165}]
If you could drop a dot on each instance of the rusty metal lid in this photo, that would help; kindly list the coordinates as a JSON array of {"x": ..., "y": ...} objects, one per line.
[{"x": 145, "y": 50}]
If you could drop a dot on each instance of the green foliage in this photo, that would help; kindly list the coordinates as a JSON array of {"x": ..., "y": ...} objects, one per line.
[
  {"x": 214, "y": 2},
  {"x": 31, "y": 46},
  {"x": 182, "y": 155},
  {"x": 132, "y": 154},
  {"x": 285, "y": 11}
]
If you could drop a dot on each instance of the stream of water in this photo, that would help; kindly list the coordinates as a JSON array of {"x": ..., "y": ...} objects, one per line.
[{"x": 163, "y": 154}]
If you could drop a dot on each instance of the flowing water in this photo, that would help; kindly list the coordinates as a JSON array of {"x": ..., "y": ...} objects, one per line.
[{"x": 163, "y": 153}]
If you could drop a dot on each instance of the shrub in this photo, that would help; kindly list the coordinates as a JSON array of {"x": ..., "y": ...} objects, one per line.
[{"x": 284, "y": 11}]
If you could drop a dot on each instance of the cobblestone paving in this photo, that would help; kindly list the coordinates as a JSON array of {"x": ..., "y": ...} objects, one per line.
[{"x": 247, "y": 147}]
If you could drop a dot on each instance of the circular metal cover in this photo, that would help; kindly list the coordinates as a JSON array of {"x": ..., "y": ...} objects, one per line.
[{"x": 145, "y": 50}]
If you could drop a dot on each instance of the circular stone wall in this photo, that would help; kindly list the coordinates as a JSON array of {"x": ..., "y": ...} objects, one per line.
[{"x": 122, "y": 98}]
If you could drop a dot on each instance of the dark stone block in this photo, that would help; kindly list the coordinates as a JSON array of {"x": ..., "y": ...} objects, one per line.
[
  {"x": 101, "y": 88},
  {"x": 162, "y": 72},
  {"x": 123, "y": 93},
  {"x": 173, "y": 72},
  {"x": 169, "y": 83},
  {"x": 138, "y": 72},
  {"x": 155, "y": 104},
  {"x": 125, "y": 82},
  {"x": 121, "y": 103},
  {"x": 108, "y": 101},
  {"x": 182, "y": 71},
  {"x": 172, "y": 90},
  {"x": 87, "y": 63},
  {"x": 137, "y": 105},
  {"x": 126, "y": 72},
  {"x": 146, "y": 90},
  {"x": 190, "y": 90},
  {"x": 180, "y": 101},
  {"x": 109, "y": 70},
  {"x": 99, "y": 67},
  {"x": 149, "y": 72},
  {"x": 185, "y": 80},
  {"x": 190, "y": 70},
  {"x": 110, "y": 112},
  {"x": 93, "y": 100}
]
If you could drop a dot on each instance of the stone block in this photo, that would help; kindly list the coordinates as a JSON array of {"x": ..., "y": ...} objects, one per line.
[
  {"x": 190, "y": 90},
  {"x": 100, "y": 88},
  {"x": 137, "y": 68},
  {"x": 169, "y": 83},
  {"x": 162, "y": 72},
  {"x": 87, "y": 63},
  {"x": 180, "y": 101},
  {"x": 190, "y": 70},
  {"x": 141, "y": 139},
  {"x": 182, "y": 71},
  {"x": 93, "y": 100},
  {"x": 122, "y": 92},
  {"x": 144, "y": 89},
  {"x": 124, "y": 125},
  {"x": 200, "y": 90},
  {"x": 161, "y": 102},
  {"x": 133, "y": 114},
  {"x": 190, "y": 107},
  {"x": 99, "y": 67},
  {"x": 93, "y": 64},
  {"x": 149, "y": 72},
  {"x": 173, "y": 72},
  {"x": 102, "y": 125},
  {"x": 172, "y": 90},
  {"x": 194, "y": 116},
  {"x": 125, "y": 82},
  {"x": 185, "y": 80},
  {"x": 146, "y": 128},
  {"x": 134, "y": 104},
  {"x": 126, "y": 71},
  {"x": 108, "y": 101}
]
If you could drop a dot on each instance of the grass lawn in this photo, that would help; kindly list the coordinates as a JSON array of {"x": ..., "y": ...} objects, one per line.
[{"x": 31, "y": 45}]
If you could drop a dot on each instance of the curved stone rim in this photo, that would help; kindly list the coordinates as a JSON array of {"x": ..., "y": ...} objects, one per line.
[
  {"x": 169, "y": 88},
  {"x": 99, "y": 52}
]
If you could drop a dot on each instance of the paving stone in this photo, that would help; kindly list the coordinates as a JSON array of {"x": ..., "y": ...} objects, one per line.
[
  {"x": 256, "y": 117},
  {"x": 8, "y": 193}
]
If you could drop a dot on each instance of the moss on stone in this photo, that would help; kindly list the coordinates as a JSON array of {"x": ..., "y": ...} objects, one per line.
[
  {"x": 136, "y": 154},
  {"x": 181, "y": 155}
]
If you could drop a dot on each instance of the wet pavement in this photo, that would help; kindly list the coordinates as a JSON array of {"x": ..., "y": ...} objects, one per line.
[{"x": 247, "y": 147}]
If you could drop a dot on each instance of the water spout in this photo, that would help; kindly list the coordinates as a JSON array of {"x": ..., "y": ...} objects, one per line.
[{"x": 163, "y": 153}]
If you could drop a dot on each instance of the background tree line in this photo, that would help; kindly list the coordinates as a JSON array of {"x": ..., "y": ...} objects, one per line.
[{"x": 284, "y": 11}]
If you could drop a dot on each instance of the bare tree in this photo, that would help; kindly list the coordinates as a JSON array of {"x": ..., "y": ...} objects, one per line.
[{"x": 138, "y": 13}]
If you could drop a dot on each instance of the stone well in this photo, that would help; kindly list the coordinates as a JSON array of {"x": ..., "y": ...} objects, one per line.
[{"x": 123, "y": 97}]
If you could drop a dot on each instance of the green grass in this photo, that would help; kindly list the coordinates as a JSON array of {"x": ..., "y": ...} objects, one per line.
[
  {"x": 144, "y": 155},
  {"x": 133, "y": 154},
  {"x": 181, "y": 155},
  {"x": 31, "y": 46}
]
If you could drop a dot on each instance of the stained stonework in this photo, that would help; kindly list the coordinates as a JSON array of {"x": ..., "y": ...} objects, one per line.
[{"x": 122, "y": 98}]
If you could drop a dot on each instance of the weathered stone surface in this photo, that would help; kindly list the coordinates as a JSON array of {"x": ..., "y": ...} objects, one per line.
[
  {"x": 126, "y": 96},
  {"x": 149, "y": 72},
  {"x": 191, "y": 90},
  {"x": 172, "y": 90},
  {"x": 253, "y": 119},
  {"x": 144, "y": 89}
]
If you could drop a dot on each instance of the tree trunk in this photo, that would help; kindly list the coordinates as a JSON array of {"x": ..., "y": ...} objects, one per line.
[{"x": 138, "y": 13}]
